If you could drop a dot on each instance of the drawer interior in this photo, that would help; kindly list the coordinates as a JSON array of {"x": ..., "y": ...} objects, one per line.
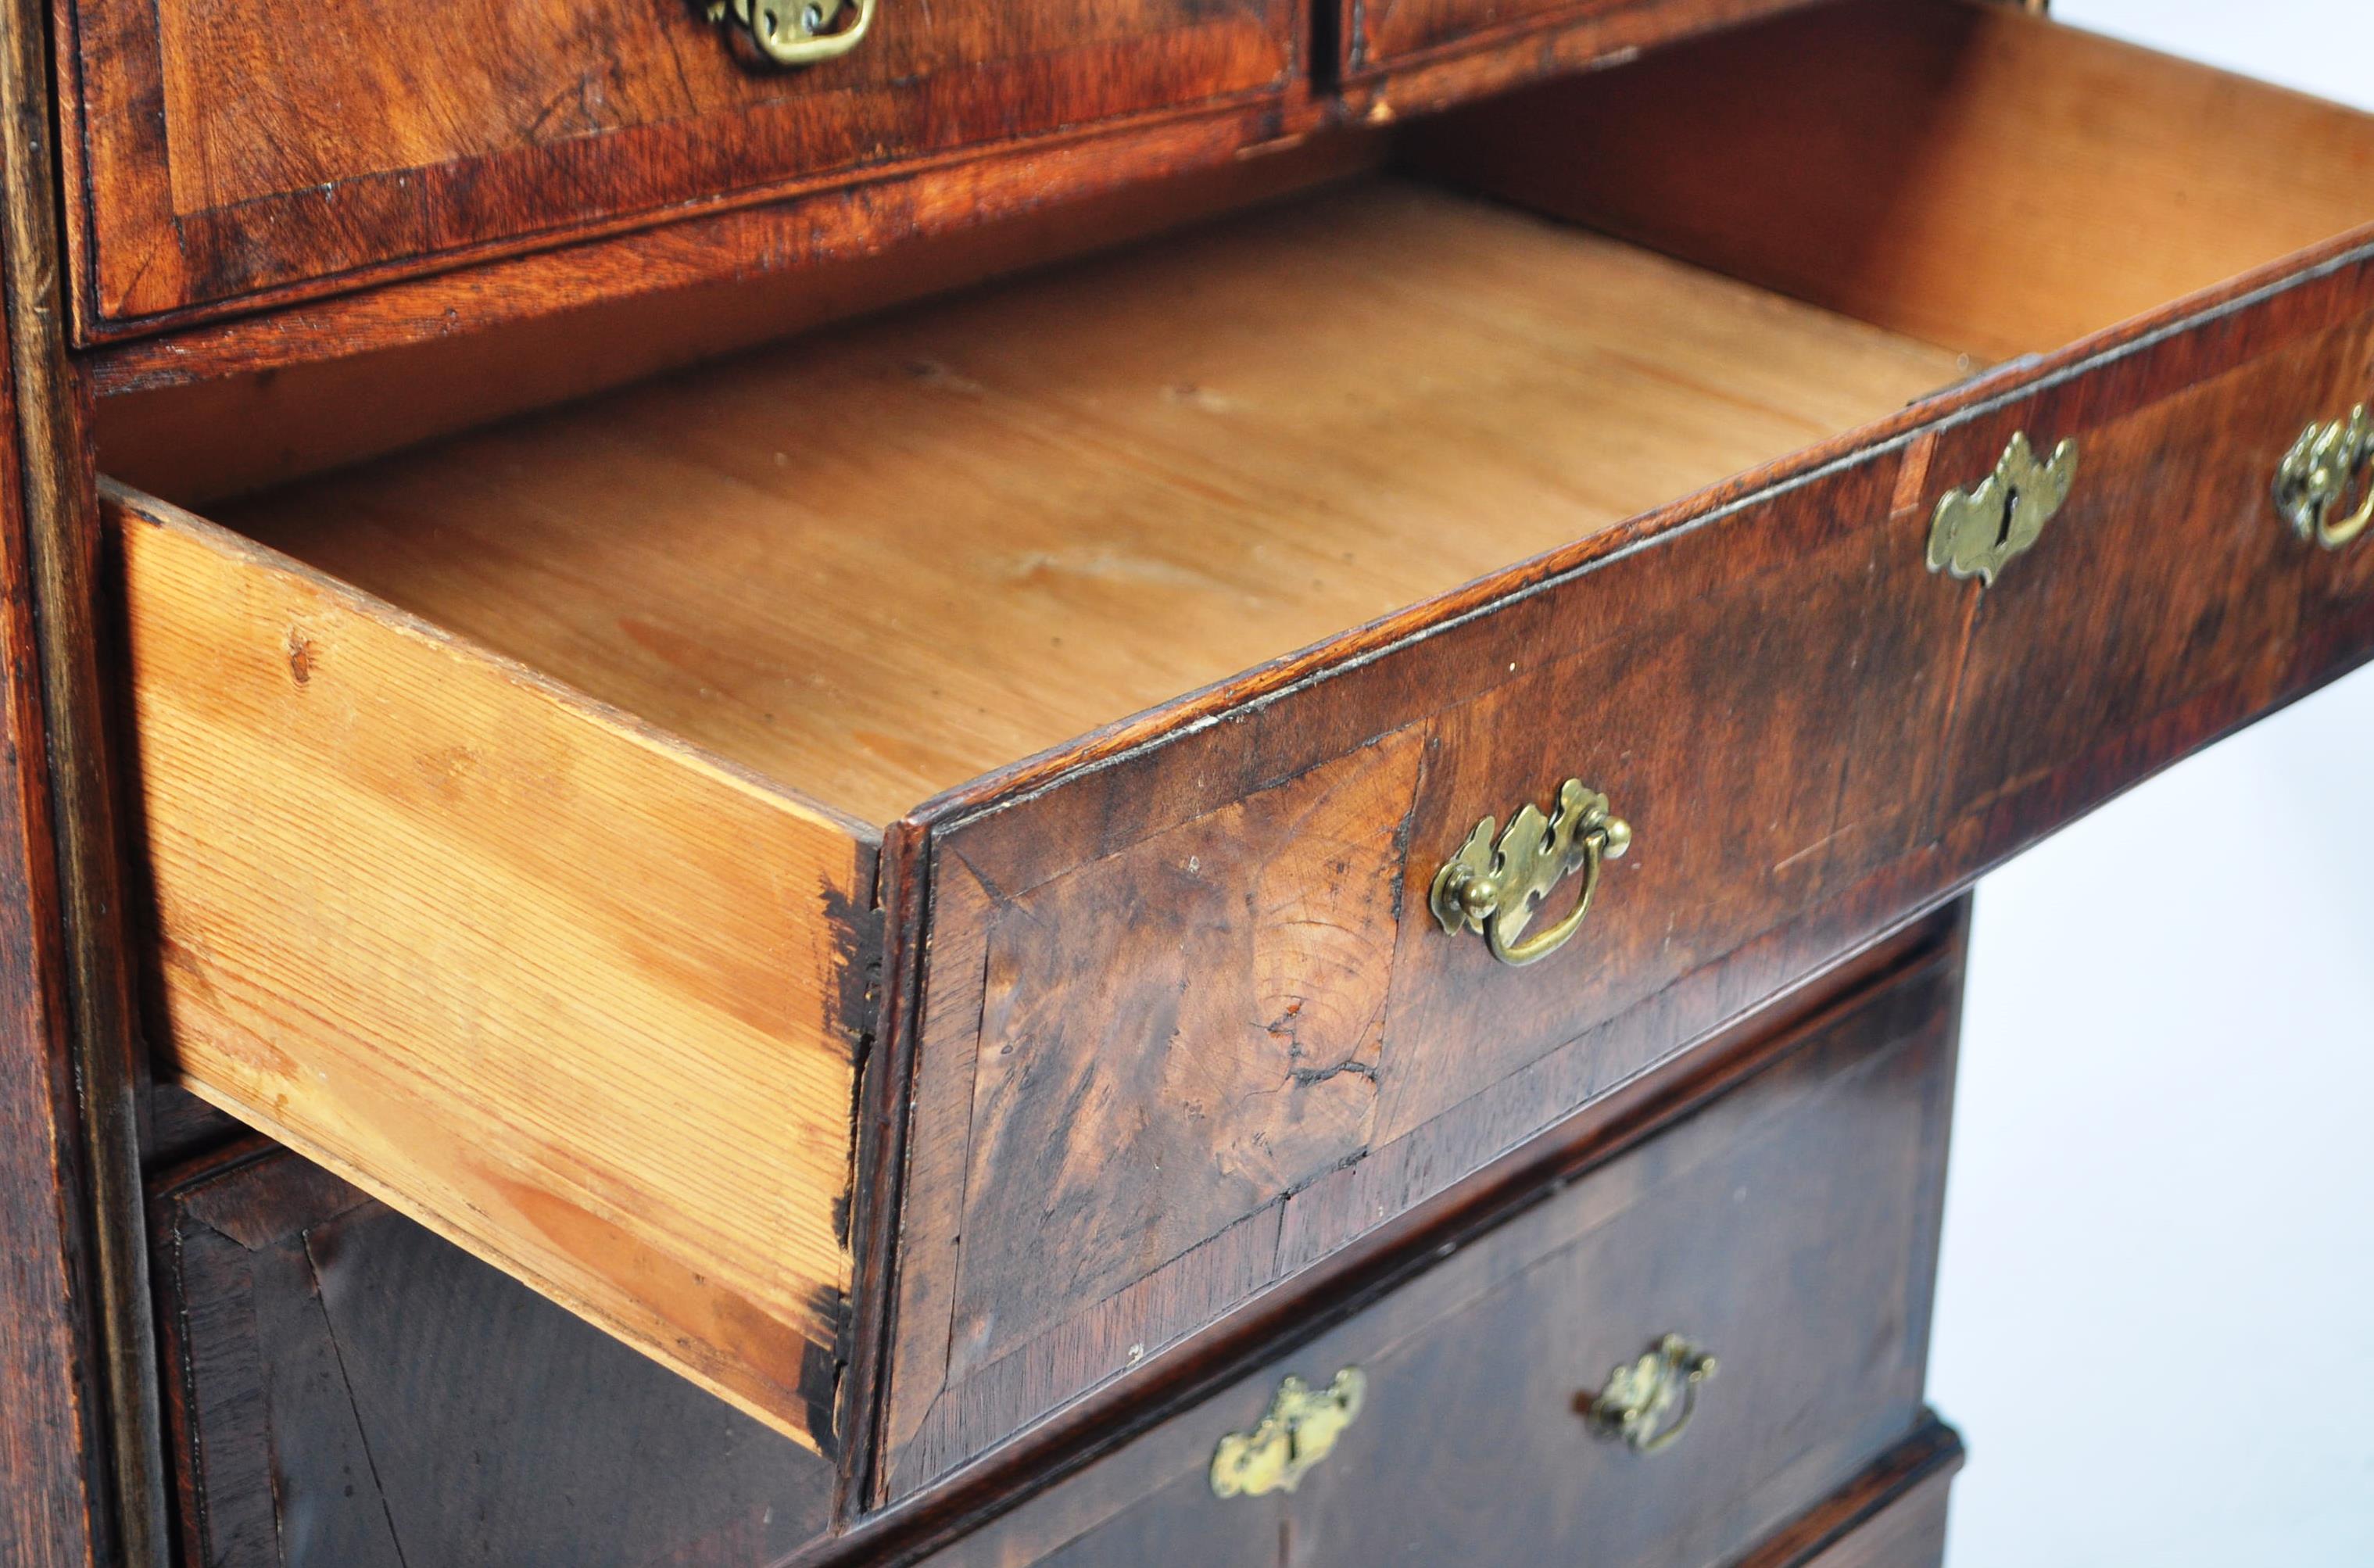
[
  {"x": 513, "y": 802},
  {"x": 883, "y": 562}
]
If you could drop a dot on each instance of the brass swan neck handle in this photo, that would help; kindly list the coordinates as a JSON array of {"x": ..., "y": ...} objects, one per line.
[{"x": 1491, "y": 888}]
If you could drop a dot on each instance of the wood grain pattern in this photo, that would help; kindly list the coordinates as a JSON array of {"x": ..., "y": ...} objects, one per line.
[
  {"x": 1085, "y": 507},
  {"x": 2160, "y": 609},
  {"x": 1699, "y": 684},
  {"x": 167, "y": 422},
  {"x": 56, "y": 1508},
  {"x": 1968, "y": 174},
  {"x": 1158, "y": 945},
  {"x": 229, "y": 148},
  {"x": 763, "y": 248},
  {"x": 1369, "y": 1270},
  {"x": 572, "y": 995},
  {"x": 73, "y": 882},
  {"x": 1821, "y": 1179},
  {"x": 1489, "y": 668},
  {"x": 1531, "y": 38},
  {"x": 350, "y": 1392}
]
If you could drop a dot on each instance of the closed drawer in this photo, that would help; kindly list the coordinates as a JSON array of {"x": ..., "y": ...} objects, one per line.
[
  {"x": 1789, "y": 1229},
  {"x": 346, "y": 1390},
  {"x": 1413, "y": 53},
  {"x": 232, "y": 151},
  {"x": 592, "y": 917}
]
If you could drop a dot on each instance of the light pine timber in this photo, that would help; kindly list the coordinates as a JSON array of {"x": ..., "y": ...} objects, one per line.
[
  {"x": 1967, "y": 173},
  {"x": 881, "y": 562},
  {"x": 560, "y": 988}
]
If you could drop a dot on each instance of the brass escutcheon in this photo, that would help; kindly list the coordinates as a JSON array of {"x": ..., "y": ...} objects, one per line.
[
  {"x": 797, "y": 32},
  {"x": 2316, "y": 476},
  {"x": 1299, "y": 1431},
  {"x": 1640, "y": 1396},
  {"x": 1491, "y": 889},
  {"x": 1974, "y": 533}
]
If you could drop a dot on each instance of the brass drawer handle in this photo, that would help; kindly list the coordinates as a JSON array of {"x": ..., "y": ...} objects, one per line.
[
  {"x": 798, "y": 33},
  {"x": 1299, "y": 1431},
  {"x": 2317, "y": 474},
  {"x": 1641, "y": 1394},
  {"x": 1974, "y": 533},
  {"x": 1492, "y": 891}
]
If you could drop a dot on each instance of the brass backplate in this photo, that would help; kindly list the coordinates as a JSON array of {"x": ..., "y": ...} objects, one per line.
[
  {"x": 1973, "y": 532},
  {"x": 1300, "y": 1429}
]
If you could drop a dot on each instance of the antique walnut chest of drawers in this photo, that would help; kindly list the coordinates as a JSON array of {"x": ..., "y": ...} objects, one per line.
[{"x": 1089, "y": 783}]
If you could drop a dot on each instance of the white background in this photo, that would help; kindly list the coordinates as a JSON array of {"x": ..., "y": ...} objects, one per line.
[{"x": 2156, "y": 1313}]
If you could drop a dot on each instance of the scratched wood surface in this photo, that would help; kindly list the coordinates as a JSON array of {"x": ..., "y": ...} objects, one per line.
[
  {"x": 239, "y": 147},
  {"x": 1791, "y": 1227},
  {"x": 347, "y": 1390},
  {"x": 576, "y": 997},
  {"x": 1203, "y": 1049},
  {"x": 1046, "y": 506}
]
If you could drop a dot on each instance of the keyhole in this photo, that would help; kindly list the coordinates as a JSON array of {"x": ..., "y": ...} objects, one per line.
[{"x": 2010, "y": 509}]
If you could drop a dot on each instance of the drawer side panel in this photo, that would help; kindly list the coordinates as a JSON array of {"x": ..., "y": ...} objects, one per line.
[{"x": 575, "y": 997}]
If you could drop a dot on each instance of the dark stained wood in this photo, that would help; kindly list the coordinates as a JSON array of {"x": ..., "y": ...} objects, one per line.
[
  {"x": 1368, "y": 1270},
  {"x": 768, "y": 250},
  {"x": 1892, "y": 1516},
  {"x": 182, "y": 1127},
  {"x": 1820, "y": 1180},
  {"x": 227, "y": 150},
  {"x": 2159, "y": 609},
  {"x": 1406, "y": 56},
  {"x": 348, "y": 1391},
  {"x": 70, "y": 878},
  {"x": 56, "y": 1497},
  {"x": 1330, "y": 1022}
]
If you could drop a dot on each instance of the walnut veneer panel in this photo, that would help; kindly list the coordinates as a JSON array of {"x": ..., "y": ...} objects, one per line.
[
  {"x": 1049, "y": 505},
  {"x": 1790, "y": 1226},
  {"x": 563, "y": 990},
  {"x": 234, "y": 148}
]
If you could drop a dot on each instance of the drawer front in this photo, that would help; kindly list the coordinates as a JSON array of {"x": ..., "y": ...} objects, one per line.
[
  {"x": 1187, "y": 1056},
  {"x": 1189, "y": 1012},
  {"x": 1439, "y": 51},
  {"x": 231, "y": 149},
  {"x": 1790, "y": 1228},
  {"x": 346, "y": 1390},
  {"x": 2168, "y": 601}
]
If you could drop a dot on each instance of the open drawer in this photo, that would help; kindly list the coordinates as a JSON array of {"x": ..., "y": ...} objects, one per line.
[{"x": 533, "y": 818}]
